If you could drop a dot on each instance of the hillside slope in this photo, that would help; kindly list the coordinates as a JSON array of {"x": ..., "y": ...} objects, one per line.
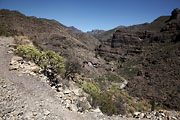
[
  {"x": 23, "y": 96},
  {"x": 156, "y": 25},
  {"x": 149, "y": 59},
  {"x": 51, "y": 35},
  {"x": 140, "y": 60}
]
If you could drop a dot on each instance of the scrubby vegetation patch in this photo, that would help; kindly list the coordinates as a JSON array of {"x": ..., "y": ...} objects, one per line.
[{"x": 45, "y": 59}]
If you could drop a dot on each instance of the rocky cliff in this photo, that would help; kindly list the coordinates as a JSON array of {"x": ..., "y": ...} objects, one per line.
[{"x": 148, "y": 57}]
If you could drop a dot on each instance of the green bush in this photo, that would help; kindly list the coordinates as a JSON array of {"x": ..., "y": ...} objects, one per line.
[
  {"x": 106, "y": 104},
  {"x": 48, "y": 59},
  {"x": 108, "y": 59},
  {"x": 153, "y": 105},
  {"x": 28, "y": 52},
  {"x": 99, "y": 79},
  {"x": 55, "y": 61},
  {"x": 103, "y": 100},
  {"x": 3, "y": 32},
  {"x": 101, "y": 83},
  {"x": 91, "y": 89}
]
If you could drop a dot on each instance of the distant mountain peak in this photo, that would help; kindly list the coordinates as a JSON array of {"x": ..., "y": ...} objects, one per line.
[
  {"x": 74, "y": 29},
  {"x": 95, "y": 32}
]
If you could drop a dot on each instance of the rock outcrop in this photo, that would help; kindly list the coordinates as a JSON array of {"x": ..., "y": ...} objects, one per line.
[{"x": 175, "y": 14}]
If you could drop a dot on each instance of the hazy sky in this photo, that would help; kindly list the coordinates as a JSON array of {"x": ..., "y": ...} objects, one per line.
[{"x": 94, "y": 14}]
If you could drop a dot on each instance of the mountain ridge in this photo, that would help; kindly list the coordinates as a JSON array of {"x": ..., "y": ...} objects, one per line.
[{"x": 146, "y": 56}]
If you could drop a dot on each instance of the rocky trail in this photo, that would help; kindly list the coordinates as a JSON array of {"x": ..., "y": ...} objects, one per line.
[{"x": 25, "y": 97}]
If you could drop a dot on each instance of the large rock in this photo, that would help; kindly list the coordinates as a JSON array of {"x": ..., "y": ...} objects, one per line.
[
  {"x": 73, "y": 107},
  {"x": 83, "y": 105}
]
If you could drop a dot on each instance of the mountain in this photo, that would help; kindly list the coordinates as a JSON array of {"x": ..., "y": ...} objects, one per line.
[
  {"x": 148, "y": 57},
  {"x": 95, "y": 32},
  {"x": 156, "y": 25},
  {"x": 68, "y": 42},
  {"x": 124, "y": 66},
  {"x": 73, "y": 29}
]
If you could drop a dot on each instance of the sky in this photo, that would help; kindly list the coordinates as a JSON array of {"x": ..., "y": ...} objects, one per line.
[{"x": 94, "y": 14}]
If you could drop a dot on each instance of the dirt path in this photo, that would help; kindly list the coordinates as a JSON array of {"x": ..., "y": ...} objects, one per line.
[{"x": 24, "y": 97}]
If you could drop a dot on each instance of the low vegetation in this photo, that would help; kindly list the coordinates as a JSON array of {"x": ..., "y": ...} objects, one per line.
[
  {"x": 91, "y": 89},
  {"x": 99, "y": 98},
  {"x": 113, "y": 100},
  {"x": 108, "y": 59},
  {"x": 113, "y": 77},
  {"x": 3, "y": 32},
  {"x": 106, "y": 103},
  {"x": 28, "y": 52},
  {"x": 72, "y": 67},
  {"x": 45, "y": 59}
]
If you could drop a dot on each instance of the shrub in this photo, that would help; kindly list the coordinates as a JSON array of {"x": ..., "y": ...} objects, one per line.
[
  {"x": 103, "y": 100},
  {"x": 91, "y": 89},
  {"x": 72, "y": 67},
  {"x": 28, "y": 52},
  {"x": 153, "y": 105},
  {"x": 3, "y": 32},
  {"x": 94, "y": 91},
  {"x": 108, "y": 59},
  {"x": 106, "y": 104},
  {"x": 48, "y": 59},
  {"x": 55, "y": 61},
  {"x": 96, "y": 55},
  {"x": 114, "y": 78},
  {"x": 139, "y": 105},
  {"x": 102, "y": 83},
  {"x": 100, "y": 79}
]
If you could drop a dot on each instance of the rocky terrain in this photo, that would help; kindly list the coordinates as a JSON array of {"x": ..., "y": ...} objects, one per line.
[
  {"x": 127, "y": 72},
  {"x": 51, "y": 35},
  {"x": 26, "y": 94},
  {"x": 149, "y": 58}
]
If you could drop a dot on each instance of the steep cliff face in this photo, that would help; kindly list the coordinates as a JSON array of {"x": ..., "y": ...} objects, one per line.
[{"x": 149, "y": 59}]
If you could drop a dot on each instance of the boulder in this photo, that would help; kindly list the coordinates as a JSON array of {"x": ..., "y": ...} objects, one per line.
[
  {"x": 73, "y": 107},
  {"x": 83, "y": 105},
  {"x": 77, "y": 91},
  {"x": 67, "y": 91},
  {"x": 141, "y": 115},
  {"x": 136, "y": 114}
]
